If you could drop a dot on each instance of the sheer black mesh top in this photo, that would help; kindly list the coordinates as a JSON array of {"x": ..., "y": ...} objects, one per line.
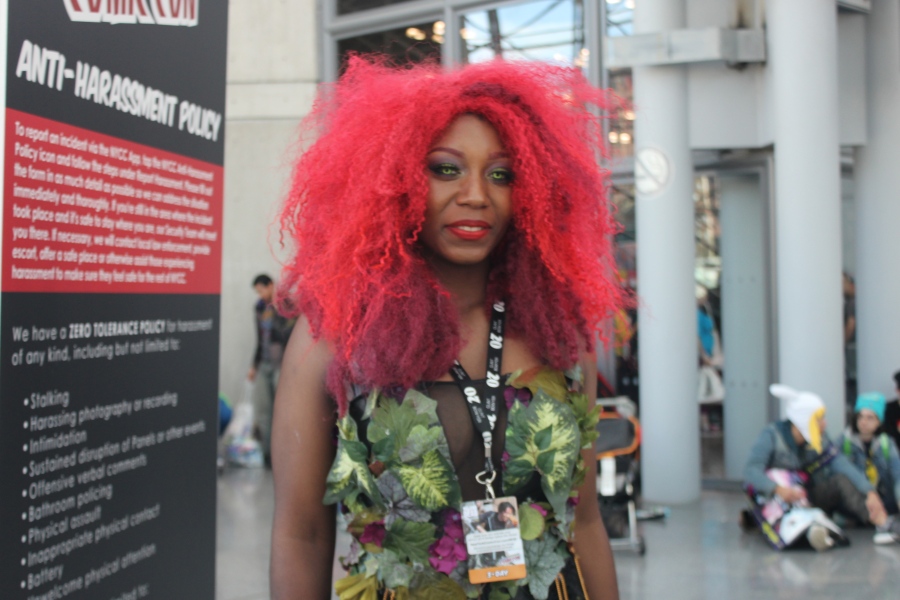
[{"x": 466, "y": 445}]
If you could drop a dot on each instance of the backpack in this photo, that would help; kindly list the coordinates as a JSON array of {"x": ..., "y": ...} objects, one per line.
[{"x": 885, "y": 446}]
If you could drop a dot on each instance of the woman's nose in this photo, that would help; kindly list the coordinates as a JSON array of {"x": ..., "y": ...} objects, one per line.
[{"x": 474, "y": 191}]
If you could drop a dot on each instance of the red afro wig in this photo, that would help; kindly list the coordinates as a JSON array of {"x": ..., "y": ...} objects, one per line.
[{"x": 357, "y": 203}]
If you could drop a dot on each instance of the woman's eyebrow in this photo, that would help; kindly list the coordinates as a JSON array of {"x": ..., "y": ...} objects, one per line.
[
  {"x": 493, "y": 155},
  {"x": 447, "y": 150}
]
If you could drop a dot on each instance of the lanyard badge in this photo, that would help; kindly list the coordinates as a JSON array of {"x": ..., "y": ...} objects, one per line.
[
  {"x": 484, "y": 410},
  {"x": 491, "y": 526}
]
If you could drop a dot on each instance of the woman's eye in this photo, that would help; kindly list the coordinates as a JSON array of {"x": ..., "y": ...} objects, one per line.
[
  {"x": 445, "y": 169},
  {"x": 501, "y": 176}
]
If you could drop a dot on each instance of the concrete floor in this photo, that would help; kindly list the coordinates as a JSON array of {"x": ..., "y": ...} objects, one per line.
[{"x": 698, "y": 552}]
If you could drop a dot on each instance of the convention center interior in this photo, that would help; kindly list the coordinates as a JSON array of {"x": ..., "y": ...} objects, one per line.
[{"x": 223, "y": 222}]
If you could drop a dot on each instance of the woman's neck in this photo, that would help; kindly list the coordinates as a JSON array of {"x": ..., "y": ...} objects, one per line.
[
  {"x": 467, "y": 284},
  {"x": 866, "y": 437}
]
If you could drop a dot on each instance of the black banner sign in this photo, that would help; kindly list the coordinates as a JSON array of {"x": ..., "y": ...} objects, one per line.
[{"x": 109, "y": 298}]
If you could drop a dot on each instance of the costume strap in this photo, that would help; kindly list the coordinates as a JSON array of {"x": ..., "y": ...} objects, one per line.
[{"x": 821, "y": 460}]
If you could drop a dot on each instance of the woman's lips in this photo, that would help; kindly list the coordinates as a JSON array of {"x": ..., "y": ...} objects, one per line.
[{"x": 469, "y": 230}]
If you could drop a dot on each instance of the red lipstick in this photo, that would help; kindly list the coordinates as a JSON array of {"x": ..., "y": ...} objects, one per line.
[{"x": 469, "y": 230}]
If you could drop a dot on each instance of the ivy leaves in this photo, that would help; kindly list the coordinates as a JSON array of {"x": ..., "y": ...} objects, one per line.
[
  {"x": 399, "y": 504},
  {"x": 430, "y": 482},
  {"x": 409, "y": 540},
  {"x": 406, "y": 438},
  {"x": 350, "y": 476},
  {"x": 543, "y": 436},
  {"x": 544, "y": 564}
]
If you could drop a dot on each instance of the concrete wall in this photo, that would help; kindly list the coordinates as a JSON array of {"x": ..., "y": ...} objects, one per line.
[
  {"x": 272, "y": 76},
  {"x": 731, "y": 106}
]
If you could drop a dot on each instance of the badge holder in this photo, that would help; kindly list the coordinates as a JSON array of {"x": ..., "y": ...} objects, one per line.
[{"x": 491, "y": 526}]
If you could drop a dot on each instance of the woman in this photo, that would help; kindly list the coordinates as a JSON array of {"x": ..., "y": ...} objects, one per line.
[
  {"x": 443, "y": 217},
  {"x": 872, "y": 451}
]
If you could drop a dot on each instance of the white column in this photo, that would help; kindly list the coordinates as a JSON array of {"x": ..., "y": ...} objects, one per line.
[
  {"x": 667, "y": 317},
  {"x": 802, "y": 37},
  {"x": 878, "y": 207}
]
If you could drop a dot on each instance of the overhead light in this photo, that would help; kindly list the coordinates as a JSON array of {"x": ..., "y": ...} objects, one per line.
[
  {"x": 613, "y": 137},
  {"x": 439, "y": 27},
  {"x": 629, "y": 4},
  {"x": 437, "y": 38},
  {"x": 625, "y": 137},
  {"x": 414, "y": 33},
  {"x": 467, "y": 34},
  {"x": 629, "y": 115}
]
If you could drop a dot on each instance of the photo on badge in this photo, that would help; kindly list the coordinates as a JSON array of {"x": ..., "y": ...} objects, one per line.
[{"x": 493, "y": 540}]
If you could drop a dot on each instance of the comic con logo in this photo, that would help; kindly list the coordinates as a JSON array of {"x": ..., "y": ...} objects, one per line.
[{"x": 151, "y": 12}]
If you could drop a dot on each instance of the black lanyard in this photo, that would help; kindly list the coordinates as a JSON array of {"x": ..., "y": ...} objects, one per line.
[{"x": 484, "y": 411}]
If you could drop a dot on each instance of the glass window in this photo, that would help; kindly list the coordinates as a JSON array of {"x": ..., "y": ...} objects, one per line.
[
  {"x": 619, "y": 17},
  {"x": 621, "y": 124},
  {"x": 411, "y": 44},
  {"x": 345, "y": 7},
  {"x": 546, "y": 30}
]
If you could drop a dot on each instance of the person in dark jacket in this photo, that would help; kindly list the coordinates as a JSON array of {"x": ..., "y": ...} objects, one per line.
[
  {"x": 272, "y": 333},
  {"x": 891, "y": 423}
]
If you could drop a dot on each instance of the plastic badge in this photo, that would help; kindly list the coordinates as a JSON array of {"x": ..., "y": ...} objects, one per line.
[{"x": 493, "y": 540}]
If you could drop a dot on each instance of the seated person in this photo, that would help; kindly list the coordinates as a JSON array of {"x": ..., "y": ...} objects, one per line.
[
  {"x": 872, "y": 451},
  {"x": 800, "y": 444}
]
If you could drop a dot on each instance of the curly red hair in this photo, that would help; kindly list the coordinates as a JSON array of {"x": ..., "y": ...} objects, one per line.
[{"x": 357, "y": 203}]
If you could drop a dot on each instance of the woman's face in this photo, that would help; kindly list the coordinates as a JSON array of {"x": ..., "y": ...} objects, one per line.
[
  {"x": 867, "y": 423},
  {"x": 469, "y": 193}
]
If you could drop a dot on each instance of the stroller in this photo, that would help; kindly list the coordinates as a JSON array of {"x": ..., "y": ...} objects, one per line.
[{"x": 618, "y": 448}]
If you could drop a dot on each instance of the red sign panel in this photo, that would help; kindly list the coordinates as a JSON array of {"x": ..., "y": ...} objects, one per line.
[{"x": 86, "y": 212}]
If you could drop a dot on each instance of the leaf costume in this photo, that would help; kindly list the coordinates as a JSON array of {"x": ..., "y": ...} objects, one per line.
[{"x": 401, "y": 484}]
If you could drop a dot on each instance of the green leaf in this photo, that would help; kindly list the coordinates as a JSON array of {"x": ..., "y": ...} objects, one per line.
[
  {"x": 558, "y": 501},
  {"x": 503, "y": 590},
  {"x": 550, "y": 381},
  {"x": 371, "y": 403},
  {"x": 554, "y": 457},
  {"x": 542, "y": 438},
  {"x": 349, "y": 475},
  {"x": 519, "y": 469},
  {"x": 421, "y": 439},
  {"x": 384, "y": 448},
  {"x": 395, "y": 421},
  {"x": 432, "y": 485},
  {"x": 543, "y": 564},
  {"x": 431, "y": 585},
  {"x": 588, "y": 414},
  {"x": 393, "y": 572},
  {"x": 398, "y": 503},
  {"x": 357, "y": 451},
  {"x": 409, "y": 540},
  {"x": 546, "y": 461},
  {"x": 531, "y": 522},
  {"x": 347, "y": 428}
]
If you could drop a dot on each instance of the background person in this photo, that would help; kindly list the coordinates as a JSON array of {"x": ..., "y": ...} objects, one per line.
[
  {"x": 272, "y": 333},
  {"x": 891, "y": 421},
  {"x": 800, "y": 444},
  {"x": 872, "y": 451}
]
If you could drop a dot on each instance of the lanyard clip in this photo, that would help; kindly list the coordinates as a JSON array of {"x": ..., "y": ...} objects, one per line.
[{"x": 486, "y": 478}]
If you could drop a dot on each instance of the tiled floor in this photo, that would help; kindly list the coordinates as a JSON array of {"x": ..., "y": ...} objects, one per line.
[{"x": 698, "y": 552}]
